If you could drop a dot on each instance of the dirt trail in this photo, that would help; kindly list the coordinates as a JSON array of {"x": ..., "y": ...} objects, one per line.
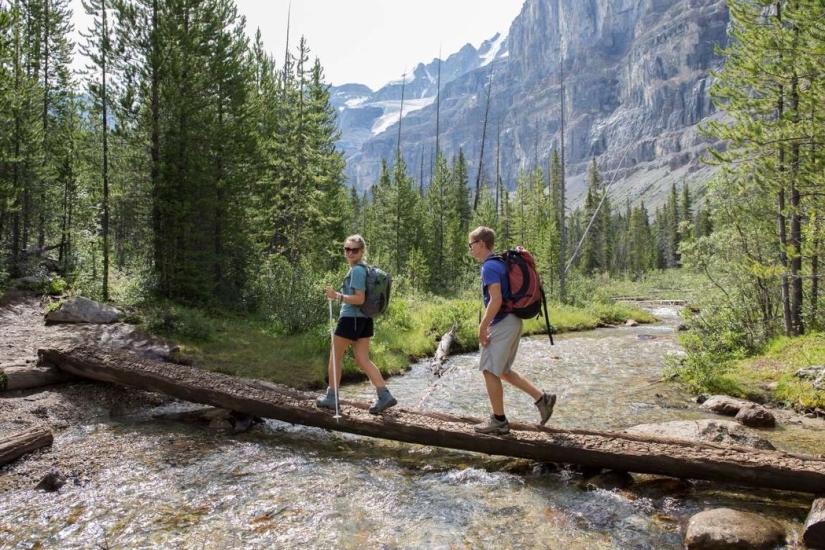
[
  {"x": 23, "y": 329},
  {"x": 67, "y": 407}
]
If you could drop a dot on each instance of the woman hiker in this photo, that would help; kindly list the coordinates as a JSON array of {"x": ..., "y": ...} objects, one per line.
[
  {"x": 499, "y": 334},
  {"x": 355, "y": 329}
]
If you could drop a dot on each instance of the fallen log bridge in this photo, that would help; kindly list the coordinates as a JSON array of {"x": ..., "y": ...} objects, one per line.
[{"x": 611, "y": 450}]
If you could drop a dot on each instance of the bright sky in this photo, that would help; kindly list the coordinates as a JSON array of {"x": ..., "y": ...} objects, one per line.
[{"x": 370, "y": 41}]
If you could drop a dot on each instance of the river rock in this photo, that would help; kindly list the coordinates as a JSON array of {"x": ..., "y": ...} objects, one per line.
[
  {"x": 51, "y": 482},
  {"x": 84, "y": 310},
  {"x": 216, "y": 419},
  {"x": 755, "y": 416},
  {"x": 723, "y": 529},
  {"x": 609, "y": 481},
  {"x": 815, "y": 374},
  {"x": 724, "y": 404},
  {"x": 725, "y": 432}
]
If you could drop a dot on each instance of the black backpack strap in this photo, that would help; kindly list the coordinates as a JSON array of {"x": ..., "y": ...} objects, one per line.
[
  {"x": 546, "y": 316},
  {"x": 494, "y": 257}
]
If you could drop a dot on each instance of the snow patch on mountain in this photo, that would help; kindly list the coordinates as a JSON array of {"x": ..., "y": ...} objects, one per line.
[
  {"x": 392, "y": 110},
  {"x": 496, "y": 50}
]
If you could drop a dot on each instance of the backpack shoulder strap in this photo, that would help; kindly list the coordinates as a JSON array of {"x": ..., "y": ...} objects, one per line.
[{"x": 494, "y": 257}]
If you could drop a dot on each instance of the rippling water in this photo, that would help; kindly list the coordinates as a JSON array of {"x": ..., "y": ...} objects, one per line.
[{"x": 167, "y": 485}]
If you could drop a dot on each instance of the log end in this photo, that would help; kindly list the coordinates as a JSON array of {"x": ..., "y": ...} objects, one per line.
[{"x": 19, "y": 444}]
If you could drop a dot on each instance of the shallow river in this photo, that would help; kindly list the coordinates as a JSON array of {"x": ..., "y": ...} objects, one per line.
[{"x": 287, "y": 486}]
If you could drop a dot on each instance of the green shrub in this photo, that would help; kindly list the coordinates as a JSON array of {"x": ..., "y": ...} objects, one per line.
[
  {"x": 179, "y": 322},
  {"x": 291, "y": 295},
  {"x": 56, "y": 286}
]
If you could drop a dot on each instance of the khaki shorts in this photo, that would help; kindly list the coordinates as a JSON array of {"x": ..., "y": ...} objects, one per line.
[{"x": 500, "y": 353}]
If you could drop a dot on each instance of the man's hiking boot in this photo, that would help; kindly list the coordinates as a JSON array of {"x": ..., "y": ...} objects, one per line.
[
  {"x": 493, "y": 426},
  {"x": 326, "y": 401},
  {"x": 385, "y": 400},
  {"x": 545, "y": 406}
]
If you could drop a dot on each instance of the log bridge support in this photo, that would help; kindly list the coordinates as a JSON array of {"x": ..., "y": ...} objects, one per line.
[{"x": 611, "y": 450}]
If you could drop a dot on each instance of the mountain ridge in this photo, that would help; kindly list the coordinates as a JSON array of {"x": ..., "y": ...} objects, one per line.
[{"x": 636, "y": 79}]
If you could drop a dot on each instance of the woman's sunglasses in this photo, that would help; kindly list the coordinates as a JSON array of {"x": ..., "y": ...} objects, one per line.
[{"x": 351, "y": 250}]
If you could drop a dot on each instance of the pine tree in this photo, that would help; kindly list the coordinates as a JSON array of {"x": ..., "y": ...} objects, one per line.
[
  {"x": 7, "y": 126},
  {"x": 187, "y": 61},
  {"x": 772, "y": 94},
  {"x": 439, "y": 223},
  {"x": 640, "y": 246},
  {"x": 399, "y": 213},
  {"x": 596, "y": 214},
  {"x": 518, "y": 219},
  {"x": 25, "y": 134},
  {"x": 334, "y": 211},
  {"x": 98, "y": 49}
]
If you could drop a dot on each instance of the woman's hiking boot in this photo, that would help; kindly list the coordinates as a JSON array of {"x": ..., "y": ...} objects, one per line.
[
  {"x": 545, "y": 406},
  {"x": 326, "y": 401},
  {"x": 493, "y": 426},
  {"x": 385, "y": 400}
]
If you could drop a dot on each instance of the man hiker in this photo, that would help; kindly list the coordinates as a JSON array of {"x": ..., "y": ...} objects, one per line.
[{"x": 499, "y": 334}]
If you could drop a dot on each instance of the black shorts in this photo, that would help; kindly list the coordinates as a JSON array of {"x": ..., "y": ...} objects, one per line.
[{"x": 353, "y": 328}]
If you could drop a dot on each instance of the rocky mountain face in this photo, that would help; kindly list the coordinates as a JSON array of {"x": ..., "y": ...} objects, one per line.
[{"x": 635, "y": 78}]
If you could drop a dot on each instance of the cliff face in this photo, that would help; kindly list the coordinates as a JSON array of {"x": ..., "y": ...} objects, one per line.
[{"x": 635, "y": 76}]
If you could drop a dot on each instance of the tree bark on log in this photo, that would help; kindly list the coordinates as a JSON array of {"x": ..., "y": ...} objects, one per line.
[
  {"x": 443, "y": 351},
  {"x": 814, "y": 535},
  {"x": 32, "y": 376},
  {"x": 612, "y": 450},
  {"x": 22, "y": 443}
]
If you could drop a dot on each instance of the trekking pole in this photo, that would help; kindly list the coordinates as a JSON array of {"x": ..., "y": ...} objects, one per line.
[{"x": 332, "y": 356}]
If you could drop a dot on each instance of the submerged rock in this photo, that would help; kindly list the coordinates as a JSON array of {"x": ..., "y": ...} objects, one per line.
[
  {"x": 723, "y": 528},
  {"x": 51, "y": 482}
]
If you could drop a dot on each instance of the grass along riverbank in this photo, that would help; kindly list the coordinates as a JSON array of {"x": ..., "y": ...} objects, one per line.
[
  {"x": 250, "y": 347},
  {"x": 771, "y": 377}
]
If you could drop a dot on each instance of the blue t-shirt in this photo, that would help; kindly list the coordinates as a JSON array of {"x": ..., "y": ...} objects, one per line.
[
  {"x": 494, "y": 271},
  {"x": 356, "y": 279}
]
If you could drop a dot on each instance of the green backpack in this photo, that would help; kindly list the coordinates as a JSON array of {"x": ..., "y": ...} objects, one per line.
[{"x": 377, "y": 296}]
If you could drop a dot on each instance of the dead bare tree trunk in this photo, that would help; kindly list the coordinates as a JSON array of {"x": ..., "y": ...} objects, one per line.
[
  {"x": 443, "y": 351},
  {"x": 483, "y": 139}
]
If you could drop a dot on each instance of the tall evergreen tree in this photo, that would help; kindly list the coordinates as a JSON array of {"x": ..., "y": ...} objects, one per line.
[
  {"x": 98, "y": 49},
  {"x": 334, "y": 210},
  {"x": 25, "y": 169},
  {"x": 596, "y": 213},
  {"x": 771, "y": 93},
  {"x": 439, "y": 223}
]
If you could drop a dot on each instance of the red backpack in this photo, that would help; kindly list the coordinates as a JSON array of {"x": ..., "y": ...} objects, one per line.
[{"x": 526, "y": 294}]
